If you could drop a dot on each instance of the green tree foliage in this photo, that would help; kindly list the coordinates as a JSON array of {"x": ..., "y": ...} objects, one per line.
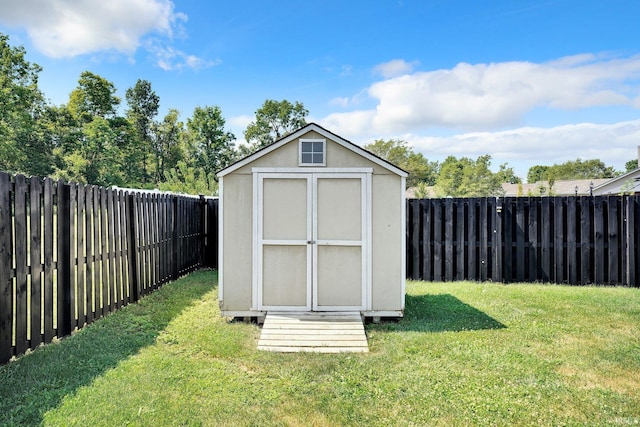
[
  {"x": 399, "y": 153},
  {"x": 466, "y": 177},
  {"x": 94, "y": 97},
  {"x": 631, "y": 165},
  {"x": 189, "y": 180},
  {"x": 274, "y": 120},
  {"x": 169, "y": 145},
  {"x": 572, "y": 169},
  {"x": 214, "y": 147},
  {"x": 143, "y": 104},
  {"x": 24, "y": 146},
  {"x": 97, "y": 160}
]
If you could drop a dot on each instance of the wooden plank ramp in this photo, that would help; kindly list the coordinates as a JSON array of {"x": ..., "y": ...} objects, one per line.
[{"x": 335, "y": 332}]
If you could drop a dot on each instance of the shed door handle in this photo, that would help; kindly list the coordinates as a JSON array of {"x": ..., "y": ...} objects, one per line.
[{"x": 311, "y": 242}]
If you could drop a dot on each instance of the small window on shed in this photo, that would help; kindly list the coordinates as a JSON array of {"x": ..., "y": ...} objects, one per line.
[{"x": 312, "y": 152}]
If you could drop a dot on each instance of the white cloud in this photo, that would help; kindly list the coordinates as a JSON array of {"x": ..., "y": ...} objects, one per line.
[
  {"x": 394, "y": 68},
  {"x": 524, "y": 147},
  {"x": 490, "y": 96},
  {"x": 169, "y": 58},
  {"x": 68, "y": 28}
]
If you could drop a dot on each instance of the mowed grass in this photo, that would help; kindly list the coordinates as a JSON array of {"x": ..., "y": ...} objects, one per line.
[{"x": 465, "y": 354}]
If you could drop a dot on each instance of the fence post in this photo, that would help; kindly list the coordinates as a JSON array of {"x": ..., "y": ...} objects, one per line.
[
  {"x": 64, "y": 259},
  {"x": 132, "y": 250}
]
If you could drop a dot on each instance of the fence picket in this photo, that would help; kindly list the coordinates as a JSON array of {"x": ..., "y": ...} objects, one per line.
[
  {"x": 6, "y": 282},
  {"x": 35, "y": 232},
  {"x": 21, "y": 248}
]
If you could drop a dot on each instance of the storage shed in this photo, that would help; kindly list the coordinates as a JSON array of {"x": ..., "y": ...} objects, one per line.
[{"x": 312, "y": 223}]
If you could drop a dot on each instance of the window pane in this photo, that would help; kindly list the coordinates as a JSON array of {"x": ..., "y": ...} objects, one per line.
[
  {"x": 317, "y": 147},
  {"x": 307, "y": 147},
  {"x": 307, "y": 157},
  {"x": 317, "y": 157}
]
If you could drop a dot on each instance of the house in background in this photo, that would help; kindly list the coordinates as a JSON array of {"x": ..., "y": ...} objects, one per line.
[{"x": 572, "y": 187}]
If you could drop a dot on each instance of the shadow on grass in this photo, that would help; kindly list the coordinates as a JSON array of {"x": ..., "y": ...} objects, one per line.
[
  {"x": 39, "y": 381},
  {"x": 439, "y": 313}
]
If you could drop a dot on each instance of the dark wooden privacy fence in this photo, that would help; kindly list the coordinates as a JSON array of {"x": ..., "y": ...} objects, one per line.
[
  {"x": 571, "y": 240},
  {"x": 71, "y": 253}
]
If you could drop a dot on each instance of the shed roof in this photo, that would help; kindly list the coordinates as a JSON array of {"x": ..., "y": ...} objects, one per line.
[{"x": 325, "y": 133}]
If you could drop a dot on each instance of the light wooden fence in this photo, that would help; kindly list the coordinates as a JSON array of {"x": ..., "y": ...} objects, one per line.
[{"x": 71, "y": 253}]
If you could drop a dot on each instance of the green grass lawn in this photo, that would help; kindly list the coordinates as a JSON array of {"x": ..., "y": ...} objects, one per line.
[{"x": 465, "y": 354}]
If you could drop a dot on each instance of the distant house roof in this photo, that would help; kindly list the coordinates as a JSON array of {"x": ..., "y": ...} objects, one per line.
[
  {"x": 559, "y": 188},
  {"x": 627, "y": 183}
]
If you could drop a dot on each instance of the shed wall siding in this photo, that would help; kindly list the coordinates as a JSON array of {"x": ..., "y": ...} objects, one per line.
[
  {"x": 387, "y": 243},
  {"x": 238, "y": 242}
]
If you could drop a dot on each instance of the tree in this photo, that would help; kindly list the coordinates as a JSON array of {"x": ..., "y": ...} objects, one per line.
[
  {"x": 23, "y": 143},
  {"x": 631, "y": 165},
  {"x": 187, "y": 179},
  {"x": 465, "y": 177},
  {"x": 94, "y": 97},
  {"x": 399, "y": 153},
  {"x": 168, "y": 143},
  {"x": 572, "y": 169},
  {"x": 143, "y": 105},
  {"x": 97, "y": 160},
  {"x": 274, "y": 120},
  {"x": 214, "y": 148}
]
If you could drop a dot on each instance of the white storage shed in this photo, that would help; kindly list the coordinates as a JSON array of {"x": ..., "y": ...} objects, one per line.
[{"x": 312, "y": 223}]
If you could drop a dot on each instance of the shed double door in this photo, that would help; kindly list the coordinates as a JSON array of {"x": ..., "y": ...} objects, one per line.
[{"x": 311, "y": 249}]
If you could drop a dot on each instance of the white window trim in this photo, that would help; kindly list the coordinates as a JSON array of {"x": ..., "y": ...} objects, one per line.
[{"x": 324, "y": 152}]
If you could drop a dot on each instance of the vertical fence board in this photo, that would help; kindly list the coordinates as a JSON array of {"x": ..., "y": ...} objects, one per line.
[
  {"x": 48, "y": 225},
  {"x": 599, "y": 239},
  {"x": 20, "y": 254},
  {"x": 35, "y": 233},
  {"x": 437, "y": 240},
  {"x": 461, "y": 237},
  {"x": 534, "y": 271},
  {"x": 504, "y": 218},
  {"x": 630, "y": 241},
  {"x": 572, "y": 238},
  {"x": 111, "y": 248},
  {"x": 104, "y": 260},
  {"x": 495, "y": 236},
  {"x": 81, "y": 298},
  {"x": 614, "y": 227},
  {"x": 414, "y": 217},
  {"x": 472, "y": 239},
  {"x": 449, "y": 238},
  {"x": 64, "y": 260},
  {"x": 425, "y": 209},
  {"x": 520, "y": 257},
  {"x": 90, "y": 283},
  {"x": 6, "y": 267},
  {"x": 559, "y": 239},
  {"x": 97, "y": 255},
  {"x": 586, "y": 239}
]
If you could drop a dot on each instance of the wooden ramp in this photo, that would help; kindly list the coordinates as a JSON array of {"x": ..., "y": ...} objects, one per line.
[{"x": 313, "y": 332}]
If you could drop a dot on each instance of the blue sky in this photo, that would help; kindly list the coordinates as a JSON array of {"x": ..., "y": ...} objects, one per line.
[{"x": 529, "y": 82}]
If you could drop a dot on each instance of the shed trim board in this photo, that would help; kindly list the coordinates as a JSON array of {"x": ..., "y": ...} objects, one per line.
[
  {"x": 325, "y": 133},
  {"x": 310, "y": 239}
]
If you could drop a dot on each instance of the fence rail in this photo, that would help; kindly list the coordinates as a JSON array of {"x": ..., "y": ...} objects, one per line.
[
  {"x": 72, "y": 253},
  {"x": 571, "y": 240}
]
